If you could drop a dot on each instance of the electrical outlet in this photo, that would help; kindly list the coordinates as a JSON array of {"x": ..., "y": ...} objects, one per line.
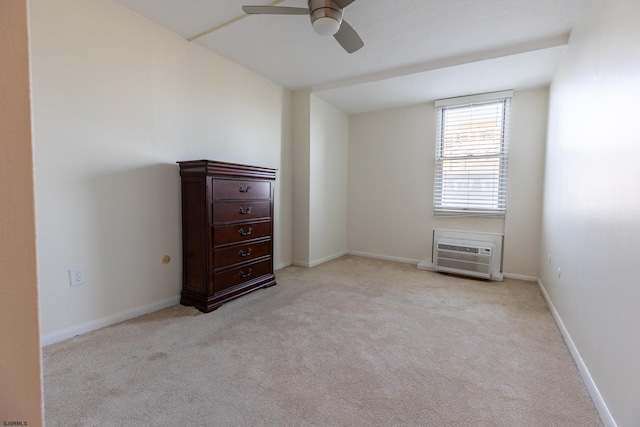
[{"x": 77, "y": 276}]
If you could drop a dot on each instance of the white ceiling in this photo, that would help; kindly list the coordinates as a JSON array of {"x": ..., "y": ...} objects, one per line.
[{"x": 415, "y": 50}]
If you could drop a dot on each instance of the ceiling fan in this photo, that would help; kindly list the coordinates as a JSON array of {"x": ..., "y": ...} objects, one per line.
[{"x": 326, "y": 19}]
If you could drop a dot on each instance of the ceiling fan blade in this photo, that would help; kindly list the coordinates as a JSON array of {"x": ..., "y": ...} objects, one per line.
[
  {"x": 348, "y": 38},
  {"x": 343, "y": 3},
  {"x": 275, "y": 10}
]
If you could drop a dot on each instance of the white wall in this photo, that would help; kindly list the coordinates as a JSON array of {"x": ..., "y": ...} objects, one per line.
[
  {"x": 591, "y": 219},
  {"x": 391, "y": 182},
  {"x": 20, "y": 367},
  {"x": 321, "y": 136},
  {"x": 523, "y": 220},
  {"x": 117, "y": 100},
  {"x": 301, "y": 175},
  {"x": 283, "y": 221},
  {"x": 391, "y": 170},
  {"x": 328, "y": 181}
]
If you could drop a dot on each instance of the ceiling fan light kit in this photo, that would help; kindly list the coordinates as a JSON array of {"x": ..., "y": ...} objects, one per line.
[
  {"x": 326, "y": 17},
  {"x": 326, "y": 26},
  {"x": 326, "y": 20}
]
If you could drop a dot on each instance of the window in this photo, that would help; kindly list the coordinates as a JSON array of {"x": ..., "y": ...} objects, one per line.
[{"x": 472, "y": 148}]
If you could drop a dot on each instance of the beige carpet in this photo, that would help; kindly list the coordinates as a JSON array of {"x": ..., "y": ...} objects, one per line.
[{"x": 353, "y": 342}]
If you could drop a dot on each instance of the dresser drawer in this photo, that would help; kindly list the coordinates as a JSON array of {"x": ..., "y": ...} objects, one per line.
[
  {"x": 241, "y": 274},
  {"x": 240, "y": 211},
  {"x": 240, "y": 253},
  {"x": 240, "y": 232},
  {"x": 241, "y": 190}
]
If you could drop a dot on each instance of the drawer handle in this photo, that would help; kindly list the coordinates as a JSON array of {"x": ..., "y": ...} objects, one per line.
[
  {"x": 244, "y": 254},
  {"x": 244, "y": 190},
  {"x": 245, "y": 233},
  {"x": 244, "y": 211},
  {"x": 243, "y": 274}
]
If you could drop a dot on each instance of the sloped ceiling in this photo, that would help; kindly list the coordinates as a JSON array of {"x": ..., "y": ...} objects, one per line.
[{"x": 415, "y": 50}]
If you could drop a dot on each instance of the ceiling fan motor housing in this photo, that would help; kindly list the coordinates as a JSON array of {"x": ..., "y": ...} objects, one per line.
[{"x": 325, "y": 11}]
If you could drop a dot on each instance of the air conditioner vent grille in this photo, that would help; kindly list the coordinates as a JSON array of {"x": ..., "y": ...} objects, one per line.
[
  {"x": 463, "y": 258},
  {"x": 465, "y": 267}
]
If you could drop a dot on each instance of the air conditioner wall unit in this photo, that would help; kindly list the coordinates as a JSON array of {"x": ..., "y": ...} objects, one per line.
[
  {"x": 463, "y": 257},
  {"x": 471, "y": 239}
]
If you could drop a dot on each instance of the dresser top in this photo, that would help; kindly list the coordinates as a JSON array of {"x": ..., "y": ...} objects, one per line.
[{"x": 212, "y": 167}]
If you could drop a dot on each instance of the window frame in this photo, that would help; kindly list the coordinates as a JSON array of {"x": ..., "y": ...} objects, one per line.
[{"x": 440, "y": 207}]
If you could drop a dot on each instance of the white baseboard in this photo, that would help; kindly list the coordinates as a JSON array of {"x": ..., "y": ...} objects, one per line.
[
  {"x": 520, "y": 277},
  {"x": 424, "y": 265},
  {"x": 316, "y": 262},
  {"x": 354, "y": 253},
  {"x": 94, "y": 325},
  {"x": 282, "y": 265},
  {"x": 601, "y": 406},
  {"x": 327, "y": 258},
  {"x": 300, "y": 263},
  {"x": 384, "y": 257}
]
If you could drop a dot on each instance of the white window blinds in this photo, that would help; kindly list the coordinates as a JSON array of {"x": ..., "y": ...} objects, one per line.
[{"x": 472, "y": 148}]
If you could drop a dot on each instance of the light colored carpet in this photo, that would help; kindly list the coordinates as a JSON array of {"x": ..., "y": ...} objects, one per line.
[{"x": 353, "y": 342}]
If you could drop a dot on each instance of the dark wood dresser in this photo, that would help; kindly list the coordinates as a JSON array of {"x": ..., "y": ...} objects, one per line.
[{"x": 227, "y": 231}]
